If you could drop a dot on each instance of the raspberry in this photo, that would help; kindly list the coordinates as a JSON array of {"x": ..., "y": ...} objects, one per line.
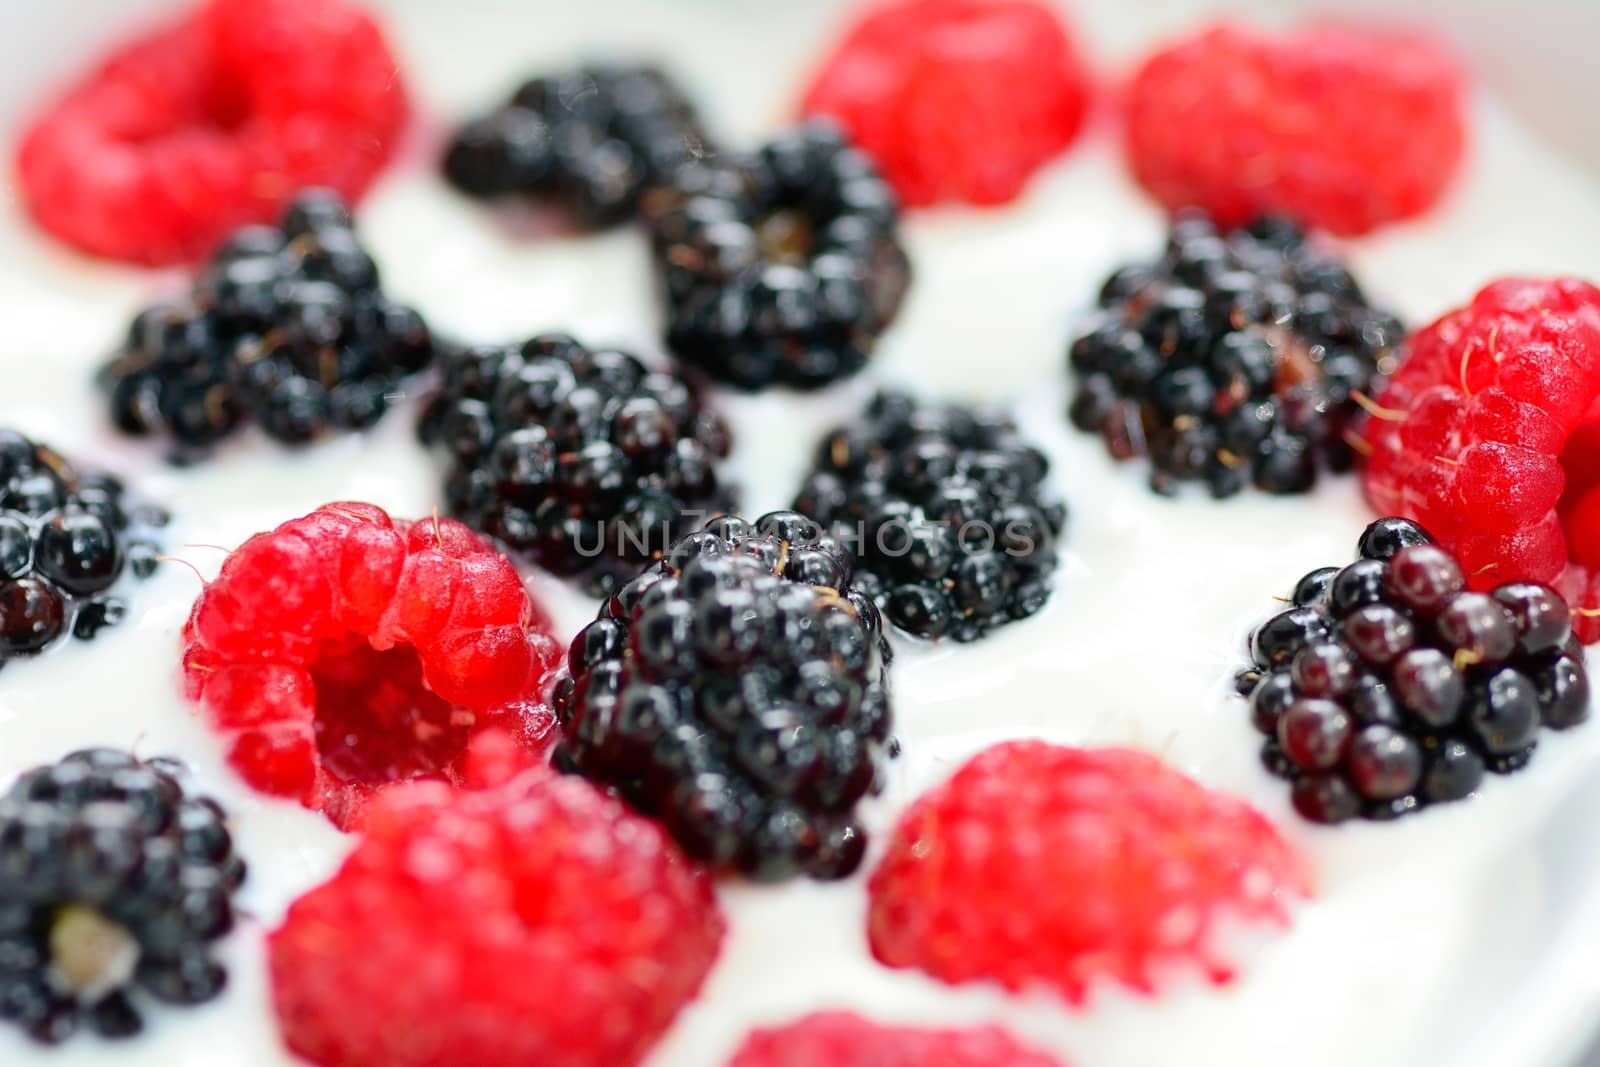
[
  {"x": 1489, "y": 435},
  {"x": 1343, "y": 128},
  {"x": 1039, "y": 865},
  {"x": 537, "y": 924},
  {"x": 345, "y": 650},
  {"x": 211, "y": 122},
  {"x": 839, "y": 1039},
  {"x": 959, "y": 100}
]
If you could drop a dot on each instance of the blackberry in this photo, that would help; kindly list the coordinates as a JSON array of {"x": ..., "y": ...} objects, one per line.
[
  {"x": 780, "y": 268},
  {"x": 947, "y": 510},
  {"x": 593, "y": 139},
  {"x": 737, "y": 690},
  {"x": 1234, "y": 359},
  {"x": 583, "y": 460},
  {"x": 286, "y": 327},
  {"x": 1389, "y": 686},
  {"x": 113, "y": 885},
  {"x": 67, "y": 537}
]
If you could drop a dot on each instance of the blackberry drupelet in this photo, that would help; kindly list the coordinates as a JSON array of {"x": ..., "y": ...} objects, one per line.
[
  {"x": 66, "y": 539},
  {"x": 593, "y": 139},
  {"x": 584, "y": 460},
  {"x": 737, "y": 690},
  {"x": 113, "y": 884},
  {"x": 946, "y": 510},
  {"x": 1234, "y": 359},
  {"x": 1388, "y": 686},
  {"x": 780, "y": 268},
  {"x": 286, "y": 327}
]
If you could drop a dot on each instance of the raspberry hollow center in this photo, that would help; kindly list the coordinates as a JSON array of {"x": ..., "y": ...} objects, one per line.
[{"x": 376, "y": 720}]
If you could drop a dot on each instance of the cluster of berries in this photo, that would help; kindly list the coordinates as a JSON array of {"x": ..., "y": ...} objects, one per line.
[
  {"x": 1235, "y": 358},
  {"x": 66, "y": 538},
  {"x": 286, "y": 327},
  {"x": 585, "y": 460},
  {"x": 1389, "y": 686},
  {"x": 947, "y": 509},
  {"x": 112, "y": 880},
  {"x": 737, "y": 689},
  {"x": 593, "y": 139},
  {"x": 780, "y": 268}
]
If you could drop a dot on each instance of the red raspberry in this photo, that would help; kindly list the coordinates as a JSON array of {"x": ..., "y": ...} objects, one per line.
[
  {"x": 1489, "y": 435},
  {"x": 538, "y": 924},
  {"x": 1038, "y": 865},
  {"x": 1342, "y": 128},
  {"x": 344, "y": 650},
  {"x": 183, "y": 135},
  {"x": 958, "y": 100},
  {"x": 839, "y": 1039}
]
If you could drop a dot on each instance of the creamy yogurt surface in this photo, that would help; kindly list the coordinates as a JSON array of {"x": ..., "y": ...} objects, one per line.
[{"x": 1462, "y": 936}]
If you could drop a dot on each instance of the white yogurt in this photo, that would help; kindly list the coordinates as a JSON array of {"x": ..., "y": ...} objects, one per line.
[{"x": 1455, "y": 937}]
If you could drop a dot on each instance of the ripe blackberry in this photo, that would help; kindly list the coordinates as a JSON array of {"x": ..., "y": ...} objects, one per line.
[
  {"x": 593, "y": 139},
  {"x": 585, "y": 460},
  {"x": 112, "y": 880},
  {"x": 66, "y": 538},
  {"x": 286, "y": 327},
  {"x": 737, "y": 690},
  {"x": 1389, "y": 686},
  {"x": 1234, "y": 359},
  {"x": 780, "y": 268},
  {"x": 947, "y": 511}
]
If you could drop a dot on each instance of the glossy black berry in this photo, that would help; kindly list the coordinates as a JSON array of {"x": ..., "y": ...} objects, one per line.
[
  {"x": 1384, "y": 538},
  {"x": 946, "y": 509},
  {"x": 592, "y": 140},
  {"x": 66, "y": 539},
  {"x": 113, "y": 886},
  {"x": 286, "y": 328},
  {"x": 740, "y": 699},
  {"x": 781, "y": 267},
  {"x": 586, "y": 461},
  {"x": 1388, "y": 687},
  {"x": 1230, "y": 360}
]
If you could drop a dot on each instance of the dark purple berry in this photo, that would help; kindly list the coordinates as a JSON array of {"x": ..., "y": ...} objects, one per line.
[
  {"x": 1429, "y": 686},
  {"x": 1384, "y": 538},
  {"x": 1424, "y": 578},
  {"x": 1542, "y": 619},
  {"x": 1325, "y": 798},
  {"x": 1477, "y": 628},
  {"x": 1378, "y": 634},
  {"x": 1315, "y": 733},
  {"x": 1383, "y": 763}
]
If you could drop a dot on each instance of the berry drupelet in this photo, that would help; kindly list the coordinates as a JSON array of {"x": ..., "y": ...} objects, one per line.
[
  {"x": 287, "y": 327},
  {"x": 111, "y": 880},
  {"x": 780, "y": 268},
  {"x": 593, "y": 139},
  {"x": 737, "y": 690},
  {"x": 584, "y": 460},
  {"x": 1235, "y": 358},
  {"x": 947, "y": 511},
  {"x": 1388, "y": 686},
  {"x": 66, "y": 539}
]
